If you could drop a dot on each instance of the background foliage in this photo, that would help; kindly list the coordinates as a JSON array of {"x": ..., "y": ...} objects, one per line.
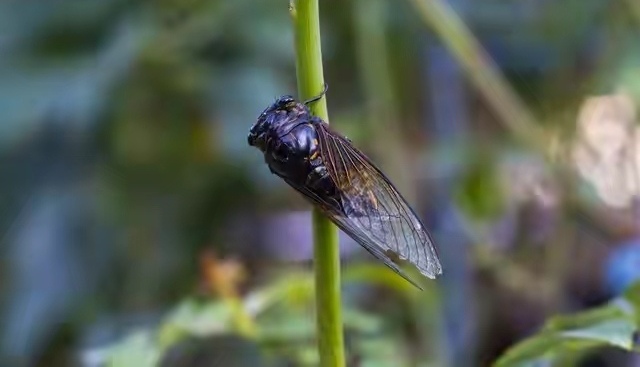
[{"x": 140, "y": 229}]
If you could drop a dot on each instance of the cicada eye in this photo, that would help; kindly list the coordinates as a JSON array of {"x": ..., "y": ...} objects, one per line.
[{"x": 286, "y": 102}]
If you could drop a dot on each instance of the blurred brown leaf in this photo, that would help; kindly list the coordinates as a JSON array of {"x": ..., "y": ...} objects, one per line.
[{"x": 222, "y": 276}]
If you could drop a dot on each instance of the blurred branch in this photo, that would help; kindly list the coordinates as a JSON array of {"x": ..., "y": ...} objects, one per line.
[
  {"x": 482, "y": 71},
  {"x": 536, "y": 287},
  {"x": 515, "y": 116},
  {"x": 512, "y": 111},
  {"x": 375, "y": 77},
  {"x": 305, "y": 15},
  {"x": 634, "y": 7}
]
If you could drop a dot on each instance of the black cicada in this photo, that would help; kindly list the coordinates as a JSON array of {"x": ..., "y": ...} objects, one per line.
[{"x": 343, "y": 183}]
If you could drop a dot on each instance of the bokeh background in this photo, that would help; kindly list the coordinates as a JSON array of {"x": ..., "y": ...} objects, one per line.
[{"x": 138, "y": 228}]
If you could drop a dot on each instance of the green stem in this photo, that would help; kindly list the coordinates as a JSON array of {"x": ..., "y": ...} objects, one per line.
[{"x": 306, "y": 24}]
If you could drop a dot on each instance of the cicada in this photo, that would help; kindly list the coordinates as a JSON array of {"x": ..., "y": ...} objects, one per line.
[{"x": 341, "y": 181}]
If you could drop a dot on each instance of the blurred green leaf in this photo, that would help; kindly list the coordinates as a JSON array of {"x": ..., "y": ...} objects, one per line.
[
  {"x": 214, "y": 351},
  {"x": 632, "y": 295},
  {"x": 80, "y": 30},
  {"x": 288, "y": 326},
  {"x": 376, "y": 274},
  {"x": 293, "y": 290},
  {"x": 308, "y": 356},
  {"x": 360, "y": 321},
  {"x": 283, "y": 312},
  {"x": 627, "y": 72},
  {"x": 479, "y": 194},
  {"x": 195, "y": 319},
  {"x": 381, "y": 351},
  {"x": 610, "y": 325},
  {"x": 137, "y": 350}
]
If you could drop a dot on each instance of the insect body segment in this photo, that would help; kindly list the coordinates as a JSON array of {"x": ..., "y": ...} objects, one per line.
[{"x": 343, "y": 183}]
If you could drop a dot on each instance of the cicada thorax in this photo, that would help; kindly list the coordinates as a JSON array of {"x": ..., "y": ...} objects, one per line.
[{"x": 295, "y": 157}]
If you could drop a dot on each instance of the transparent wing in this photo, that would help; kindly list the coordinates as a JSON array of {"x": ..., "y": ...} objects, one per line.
[
  {"x": 334, "y": 212},
  {"x": 373, "y": 212}
]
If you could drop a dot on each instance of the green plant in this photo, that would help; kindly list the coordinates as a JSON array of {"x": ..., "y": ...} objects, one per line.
[
  {"x": 282, "y": 329},
  {"x": 566, "y": 338},
  {"x": 306, "y": 24}
]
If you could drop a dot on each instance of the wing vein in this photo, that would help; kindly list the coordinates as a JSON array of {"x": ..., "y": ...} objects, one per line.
[{"x": 374, "y": 213}]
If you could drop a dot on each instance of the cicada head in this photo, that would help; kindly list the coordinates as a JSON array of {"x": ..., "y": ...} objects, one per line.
[
  {"x": 277, "y": 120},
  {"x": 280, "y": 118}
]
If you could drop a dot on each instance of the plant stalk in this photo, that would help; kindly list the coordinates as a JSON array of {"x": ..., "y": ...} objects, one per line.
[{"x": 306, "y": 25}]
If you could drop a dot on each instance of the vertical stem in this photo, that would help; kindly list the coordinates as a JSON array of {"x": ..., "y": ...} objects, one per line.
[
  {"x": 306, "y": 24},
  {"x": 328, "y": 305}
]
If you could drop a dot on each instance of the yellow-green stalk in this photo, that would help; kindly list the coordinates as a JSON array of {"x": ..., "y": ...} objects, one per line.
[{"x": 306, "y": 25}]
